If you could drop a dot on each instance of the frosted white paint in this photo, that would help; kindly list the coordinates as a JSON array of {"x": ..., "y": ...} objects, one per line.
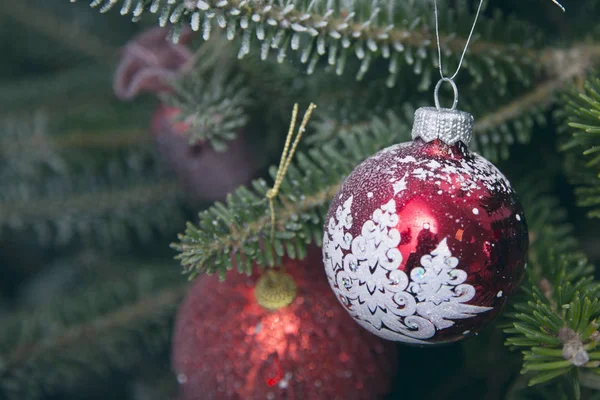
[
  {"x": 400, "y": 185},
  {"x": 364, "y": 273},
  {"x": 468, "y": 174}
]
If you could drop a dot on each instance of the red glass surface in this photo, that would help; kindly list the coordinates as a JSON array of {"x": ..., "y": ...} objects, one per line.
[
  {"x": 226, "y": 346},
  {"x": 448, "y": 193}
]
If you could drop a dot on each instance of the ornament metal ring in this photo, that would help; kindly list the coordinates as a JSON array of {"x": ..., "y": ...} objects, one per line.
[{"x": 436, "y": 93}]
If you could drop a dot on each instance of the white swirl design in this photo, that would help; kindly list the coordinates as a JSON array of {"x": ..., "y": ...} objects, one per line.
[{"x": 364, "y": 273}]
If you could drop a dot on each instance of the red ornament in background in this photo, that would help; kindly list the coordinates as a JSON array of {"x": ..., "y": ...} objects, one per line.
[
  {"x": 148, "y": 63},
  {"x": 204, "y": 173},
  {"x": 227, "y": 346},
  {"x": 425, "y": 241}
]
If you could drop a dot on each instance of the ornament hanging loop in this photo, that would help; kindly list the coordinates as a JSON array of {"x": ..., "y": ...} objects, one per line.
[
  {"x": 460, "y": 63},
  {"x": 436, "y": 93}
]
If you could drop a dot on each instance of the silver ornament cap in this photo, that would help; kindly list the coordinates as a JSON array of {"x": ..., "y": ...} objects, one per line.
[{"x": 448, "y": 125}]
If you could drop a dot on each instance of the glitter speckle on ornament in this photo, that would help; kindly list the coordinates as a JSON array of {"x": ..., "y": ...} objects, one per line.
[
  {"x": 423, "y": 236},
  {"x": 227, "y": 346}
]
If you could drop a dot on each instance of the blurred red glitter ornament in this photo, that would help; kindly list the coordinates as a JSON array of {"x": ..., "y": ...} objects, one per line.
[
  {"x": 226, "y": 346},
  {"x": 425, "y": 241}
]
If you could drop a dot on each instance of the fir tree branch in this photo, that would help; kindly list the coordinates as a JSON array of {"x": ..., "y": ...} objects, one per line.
[
  {"x": 100, "y": 210},
  {"x": 196, "y": 257},
  {"x": 576, "y": 66},
  {"x": 500, "y": 121},
  {"x": 64, "y": 32},
  {"x": 213, "y": 107},
  {"x": 29, "y": 150},
  {"x": 582, "y": 112},
  {"x": 554, "y": 321},
  {"x": 25, "y": 147},
  {"x": 63, "y": 92},
  {"x": 104, "y": 202},
  {"x": 218, "y": 96},
  {"x": 110, "y": 328},
  {"x": 391, "y": 30},
  {"x": 576, "y": 60},
  {"x": 491, "y": 131},
  {"x": 236, "y": 234},
  {"x": 65, "y": 100},
  {"x": 89, "y": 332}
]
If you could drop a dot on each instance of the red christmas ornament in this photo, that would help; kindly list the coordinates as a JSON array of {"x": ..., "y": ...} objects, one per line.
[
  {"x": 227, "y": 346},
  {"x": 204, "y": 173},
  {"x": 148, "y": 63},
  {"x": 425, "y": 240}
]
